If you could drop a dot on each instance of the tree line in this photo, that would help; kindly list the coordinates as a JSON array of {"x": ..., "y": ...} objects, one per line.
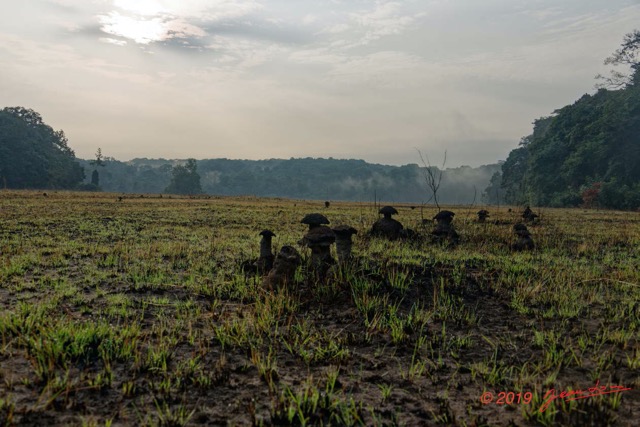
[
  {"x": 303, "y": 178},
  {"x": 34, "y": 155}
]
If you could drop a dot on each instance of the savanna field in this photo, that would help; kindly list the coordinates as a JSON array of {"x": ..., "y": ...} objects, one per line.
[{"x": 137, "y": 312}]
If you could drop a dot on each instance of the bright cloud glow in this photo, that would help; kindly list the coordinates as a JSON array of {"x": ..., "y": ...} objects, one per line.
[
  {"x": 141, "y": 31},
  {"x": 145, "y": 31}
]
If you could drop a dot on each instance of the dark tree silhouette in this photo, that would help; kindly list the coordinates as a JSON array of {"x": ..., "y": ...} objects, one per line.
[
  {"x": 32, "y": 154},
  {"x": 99, "y": 161},
  {"x": 185, "y": 179}
]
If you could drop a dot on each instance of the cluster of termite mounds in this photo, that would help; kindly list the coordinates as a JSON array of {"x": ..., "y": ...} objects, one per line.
[
  {"x": 318, "y": 239},
  {"x": 444, "y": 231},
  {"x": 280, "y": 269}
]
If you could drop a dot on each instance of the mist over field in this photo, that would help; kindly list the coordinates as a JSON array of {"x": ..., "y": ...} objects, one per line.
[{"x": 319, "y": 179}]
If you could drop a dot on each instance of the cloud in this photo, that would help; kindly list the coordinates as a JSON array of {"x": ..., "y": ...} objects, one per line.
[
  {"x": 202, "y": 9},
  {"x": 544, "y": 13},
  {"x": 117, "y": 42},
  {"x": 385, "y": 19},
  {"x": 336, "y": 28},
  {"x": 259, "y": 29},
  {"x": 63, "y": 5},
  {"x": 241, "y": 54},
  {"x": 366, "y": 26},
  {"x": 386, "y": 69}
]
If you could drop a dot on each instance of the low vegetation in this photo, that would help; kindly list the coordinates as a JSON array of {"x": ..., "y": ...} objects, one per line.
[{"x": 134, "y": 310}]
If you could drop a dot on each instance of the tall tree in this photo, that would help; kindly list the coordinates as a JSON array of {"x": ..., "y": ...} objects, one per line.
[
  {"x": 99, "y": 161},
  {"x": 627, "y": 55},
  {"x": 185, "y": 179},
  {"x": 32, "y": 154},
  {"x": 494, "y": 194}
]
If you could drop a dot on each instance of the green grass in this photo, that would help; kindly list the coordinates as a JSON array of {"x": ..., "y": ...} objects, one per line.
[{"x": 137, "y": 313}]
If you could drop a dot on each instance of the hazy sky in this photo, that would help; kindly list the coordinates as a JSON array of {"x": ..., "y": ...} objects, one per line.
[{"x": 261, "y": 79}]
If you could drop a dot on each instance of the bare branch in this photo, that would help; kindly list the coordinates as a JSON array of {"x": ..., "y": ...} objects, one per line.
[
  {"x": 432, "y": 176},
  {"x": 628, "y": 54},
  {"x": 616, "y": 80}
]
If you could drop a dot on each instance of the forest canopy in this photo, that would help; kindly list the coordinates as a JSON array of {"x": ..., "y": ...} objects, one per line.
[
  {"x": 33, "y": 155},
  {"x": 584, "y": 154}
]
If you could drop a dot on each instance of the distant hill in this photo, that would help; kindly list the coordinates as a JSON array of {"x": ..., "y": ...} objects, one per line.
[{"x": 303, "y": 178}]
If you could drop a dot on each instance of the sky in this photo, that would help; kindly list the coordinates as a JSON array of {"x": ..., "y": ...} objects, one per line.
[{"x": 256, "y": 79}]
